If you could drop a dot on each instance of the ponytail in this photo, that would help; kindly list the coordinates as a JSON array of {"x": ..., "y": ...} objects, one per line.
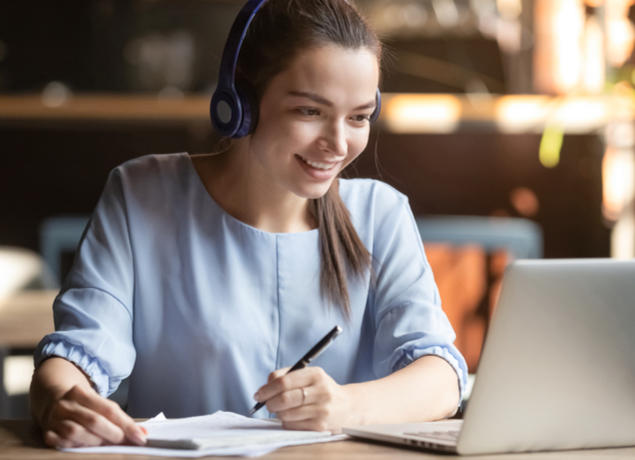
[{"x": 341, "y": 249}]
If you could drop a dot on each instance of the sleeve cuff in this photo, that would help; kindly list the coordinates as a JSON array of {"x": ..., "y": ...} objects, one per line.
[
  {"x": 459, "y": 366},
  {"x": 77, "y": 354}
]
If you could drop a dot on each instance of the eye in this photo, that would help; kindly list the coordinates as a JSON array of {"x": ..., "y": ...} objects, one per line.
[
  {"x": 361, "y": 118},
  {"x": 308, "y": 111}
]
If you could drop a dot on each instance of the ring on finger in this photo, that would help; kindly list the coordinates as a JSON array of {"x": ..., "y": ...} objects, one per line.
[{"x": 303, "y": 395}]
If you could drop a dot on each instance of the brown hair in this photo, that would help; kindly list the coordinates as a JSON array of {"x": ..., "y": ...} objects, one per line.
[{"x": 279, "y": 31}]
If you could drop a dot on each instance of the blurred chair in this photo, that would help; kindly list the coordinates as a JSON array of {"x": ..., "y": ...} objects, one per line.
[
  {"x": 59, "y": 236},
  {"x": 521, "y": 238},
  {"x": 468, "y": 255}
]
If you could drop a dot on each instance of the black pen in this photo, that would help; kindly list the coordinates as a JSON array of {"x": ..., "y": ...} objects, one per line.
[{"x": 307, "y": 358}]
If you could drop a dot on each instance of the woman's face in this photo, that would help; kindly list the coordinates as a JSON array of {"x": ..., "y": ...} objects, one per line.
[{"x": 314, "y": 118}]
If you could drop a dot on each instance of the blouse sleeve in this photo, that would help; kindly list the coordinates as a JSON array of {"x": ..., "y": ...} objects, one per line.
[
  {"x": 409, "y": 320},
  {"x": 93, "y": 312}
]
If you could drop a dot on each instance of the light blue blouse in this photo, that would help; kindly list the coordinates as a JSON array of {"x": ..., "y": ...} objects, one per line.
[{"x": 197, "y": 307}]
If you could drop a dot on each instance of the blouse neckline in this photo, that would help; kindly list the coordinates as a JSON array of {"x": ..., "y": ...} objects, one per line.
[{"x": 196, "y": 178}]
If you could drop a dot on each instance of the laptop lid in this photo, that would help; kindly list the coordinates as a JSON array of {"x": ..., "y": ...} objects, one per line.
[{"x": 558, "y": 366}]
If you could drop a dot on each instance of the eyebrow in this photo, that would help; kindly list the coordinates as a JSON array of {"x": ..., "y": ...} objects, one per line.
[{"x": 321, "y": 100}]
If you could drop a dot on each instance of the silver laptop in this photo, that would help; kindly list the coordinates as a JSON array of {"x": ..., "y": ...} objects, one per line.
[{"x": 557, "y": 370}]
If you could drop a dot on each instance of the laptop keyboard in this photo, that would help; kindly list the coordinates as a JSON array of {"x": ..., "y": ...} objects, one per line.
[{"x": 446, "y": 435}]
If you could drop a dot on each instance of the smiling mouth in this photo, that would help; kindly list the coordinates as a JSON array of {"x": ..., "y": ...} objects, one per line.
[{"x": 317, "y": 164}]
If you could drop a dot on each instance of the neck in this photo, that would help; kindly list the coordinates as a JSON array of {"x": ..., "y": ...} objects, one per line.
[{"x": 240, "y": 187}]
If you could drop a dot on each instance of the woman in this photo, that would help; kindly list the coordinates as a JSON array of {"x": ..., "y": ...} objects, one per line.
[{"x": 197, "y": 276}]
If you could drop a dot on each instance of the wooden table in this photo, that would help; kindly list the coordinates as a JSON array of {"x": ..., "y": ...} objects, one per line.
[{"x": 19, "y": 439}]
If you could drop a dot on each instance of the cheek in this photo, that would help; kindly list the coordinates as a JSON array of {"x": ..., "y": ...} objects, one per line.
[
  {"x": 286, "y": 133},
  {"x": 358, "y": 144},
  {"x": 355, "y": 149}
]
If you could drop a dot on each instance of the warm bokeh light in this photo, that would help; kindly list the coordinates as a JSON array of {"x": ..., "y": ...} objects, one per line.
[
  {"x": 522, "y": 113},
  {"x": 525, "y": 201},
  {"x": 582, "y": 114},
  {"x": 619, "y": 31},
  {"x": 572, "y": 45},
  {"x": 615, "y": 182},
  {"x": 593, "y": 68},
  {"x": 618, "y": 191},
  {"x": 509, "y": 9},
  {"x": 421, "y": 113},
  {"x": 559, "y": 27}
]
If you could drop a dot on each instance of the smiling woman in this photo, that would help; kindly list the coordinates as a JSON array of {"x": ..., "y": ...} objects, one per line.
[
  {"x": 200, "y": 277},
  {"x": 313, "y": 121}
]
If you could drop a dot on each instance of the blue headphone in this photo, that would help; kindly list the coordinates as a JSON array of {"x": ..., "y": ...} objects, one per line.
[{"x": 232, "y": 111}]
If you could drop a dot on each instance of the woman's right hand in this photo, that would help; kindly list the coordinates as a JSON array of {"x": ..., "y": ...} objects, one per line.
[
  {"x": 83, "y": 418},
  {"x": 72, "y": 414}
]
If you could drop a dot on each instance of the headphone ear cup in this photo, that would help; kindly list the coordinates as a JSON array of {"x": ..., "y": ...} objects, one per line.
[
  {"x": 375, "y": 115},
  {"x": 226, "y": 112},
  {"x": 250, "y": 106}
]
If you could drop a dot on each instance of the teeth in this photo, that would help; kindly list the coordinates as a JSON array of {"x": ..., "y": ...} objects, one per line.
[{"x": 316, "y": 165}]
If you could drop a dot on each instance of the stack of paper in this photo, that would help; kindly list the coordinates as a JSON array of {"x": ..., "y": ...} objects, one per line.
[{"x": 221, "y": 433}]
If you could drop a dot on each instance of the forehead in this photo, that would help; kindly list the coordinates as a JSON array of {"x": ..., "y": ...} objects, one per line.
[{"x": 334, "y": 72}]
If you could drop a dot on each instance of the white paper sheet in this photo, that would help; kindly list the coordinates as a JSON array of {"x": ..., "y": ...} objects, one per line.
[{"x": 221, "y": 433}]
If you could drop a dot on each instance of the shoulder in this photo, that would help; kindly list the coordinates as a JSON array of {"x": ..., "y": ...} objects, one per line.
[
  {"x": 151, "y": 173},
  {"x": 370, "y": 195},
  {"x": 149, "y": 180},
  {"x": 169, "y": 164},
  {"x": 374, "y": 207}
]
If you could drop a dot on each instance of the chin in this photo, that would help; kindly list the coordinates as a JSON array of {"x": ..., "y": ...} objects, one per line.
[{"x": 313, "y": 192}]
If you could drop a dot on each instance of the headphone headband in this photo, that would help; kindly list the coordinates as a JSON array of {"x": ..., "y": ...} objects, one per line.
[
  {"x": 227, "y": 110},
  {"x": 234, "y": 114},
  {"x": 237, "y": 34}
]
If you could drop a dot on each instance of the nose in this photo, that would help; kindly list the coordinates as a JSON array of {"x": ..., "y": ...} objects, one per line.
[{"x": 334, "y": 139}]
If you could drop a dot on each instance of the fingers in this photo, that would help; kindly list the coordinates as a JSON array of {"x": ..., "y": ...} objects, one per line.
[
  {"x": 305, "y": 387},
  {"x": 308, "y": 399},
  {"x": 295, "y": 397},
  {"x": 51, "y": 439},
  {"x": 67, "y": 433},
  {"x": 69, "y": 416},
  {"x": 83, "y": 418},
  {"x": 106, "y": 419},
  {"x": 299, "y": 413},
  {"x": 280, "y": 382},
  {"x": 94, "y": 422},
  {"x": 314, "y": 417}
]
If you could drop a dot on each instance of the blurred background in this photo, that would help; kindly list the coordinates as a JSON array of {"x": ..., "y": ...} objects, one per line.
[{"x": 508, "y": 123}]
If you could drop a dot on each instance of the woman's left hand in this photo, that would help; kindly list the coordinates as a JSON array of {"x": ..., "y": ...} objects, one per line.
[{"x": 307, "y": 399}]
